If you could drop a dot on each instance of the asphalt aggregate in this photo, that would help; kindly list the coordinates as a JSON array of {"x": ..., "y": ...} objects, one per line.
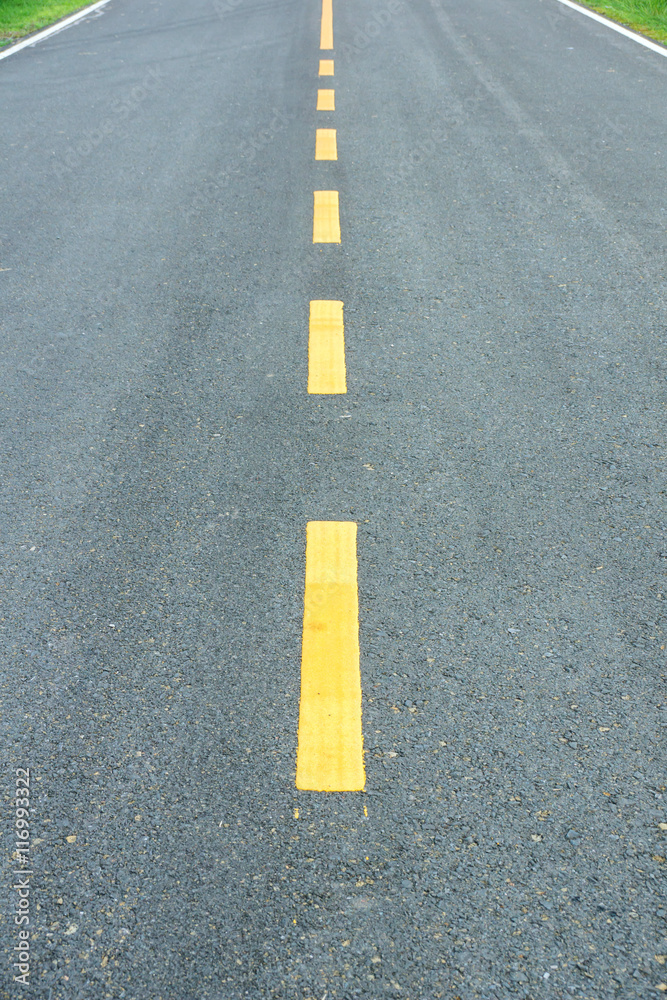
[{"x": 501, "y": 446}]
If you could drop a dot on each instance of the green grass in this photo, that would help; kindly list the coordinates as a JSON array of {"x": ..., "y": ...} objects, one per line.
[
  {"x": 649, "y": 17},
  {"x": 21, "y": 17}
]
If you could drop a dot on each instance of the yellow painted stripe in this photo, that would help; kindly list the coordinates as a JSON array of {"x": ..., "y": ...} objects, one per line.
[
  {"x": 330, "y": 749},
  {"x": 326, "y": 67},
  {"x": 325, "y": 144},
  {"x": 326, "y": 220},
  {"x": 326, "y": 100},
  {"x": 326, "y": 32},
  {"x": 326, "y": 348}
]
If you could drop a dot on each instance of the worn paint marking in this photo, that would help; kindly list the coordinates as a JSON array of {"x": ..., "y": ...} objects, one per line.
[
  {"x": 330, "y": 745},
  {"x": 326, "y": 100},
  {"x": 326, "y": 219},
  {"x": 326, "y": 348},
  {"x": 326, "y": 30},
  {"x": 325, "y": 144}
]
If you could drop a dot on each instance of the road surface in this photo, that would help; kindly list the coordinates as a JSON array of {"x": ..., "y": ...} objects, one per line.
[{"x": 500, "y": 448}]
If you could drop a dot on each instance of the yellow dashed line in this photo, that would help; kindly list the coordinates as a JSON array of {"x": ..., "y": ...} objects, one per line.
[
  {"x": 326, "y": 100},
  {"x": 326, "y": 32},
  {"x": 326, "y": 220},
  {"x": 325, "y": 144},
  {"x": 330, "y": 749},
  {"x": 326, "y": 348}
]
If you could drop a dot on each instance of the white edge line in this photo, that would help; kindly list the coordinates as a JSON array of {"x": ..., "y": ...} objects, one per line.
[
  {"x": 617, "y": 27},
  {"x": 41, "y": 35}
]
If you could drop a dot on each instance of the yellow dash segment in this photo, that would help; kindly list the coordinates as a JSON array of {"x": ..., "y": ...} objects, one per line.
[
  {"x": 326, "y": 67},
  {"x": 326, "y": 32},
  {"x": 325, "y": 144},
  {"x": 326, "y": 100},
  {"x": 326, "y": 220},
  {"x": 326, "y": 349},
  {"x": 330, "y": 748}
]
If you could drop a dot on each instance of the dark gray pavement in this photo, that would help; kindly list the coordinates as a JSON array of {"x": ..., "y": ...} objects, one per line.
[{"x": 502, "y": 443}]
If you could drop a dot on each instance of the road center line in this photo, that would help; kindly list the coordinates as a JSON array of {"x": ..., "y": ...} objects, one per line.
[
  {"x": 326, "y": 67},
  {"x": 325, "y": 144},
  {"x": 326, "y": 100},
  {"x": 326, "y": 31},
  {"x": 326, "y": 219},
  {"x": 330, "y": 747},
  {"x": 326, "y": 348}
]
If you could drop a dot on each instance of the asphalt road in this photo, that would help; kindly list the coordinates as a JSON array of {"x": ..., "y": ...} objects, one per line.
[{"x": 501, "y": 446}]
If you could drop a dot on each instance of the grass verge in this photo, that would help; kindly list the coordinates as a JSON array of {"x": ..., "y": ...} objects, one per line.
[
  {"x": 648, "y": 17},
  {"x": 21, "y": 17}
]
